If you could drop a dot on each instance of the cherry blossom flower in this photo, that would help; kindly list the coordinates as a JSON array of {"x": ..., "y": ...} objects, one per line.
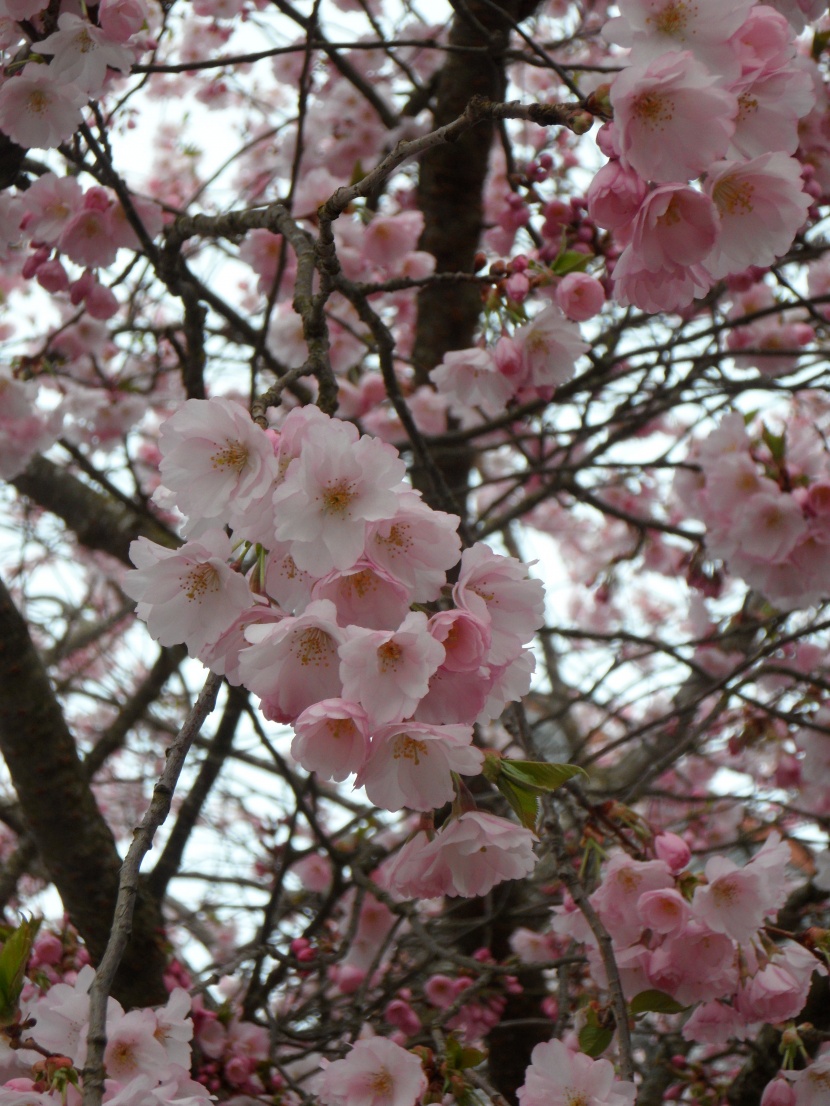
[
  {"x": 376, "y": 1072},
  {"x": 293, "y": 663},
  {"x": 410, "y": 764},
  {"x": 550, "y": 346},
  {"x": 614, "y": 195},
  {"x": 82, "y": 54},
  {"x": 812, "y": 1084},
  {"x": 498, "y": 591},
  {"x": 132, "y": 1048},
  {"x": 365, "y": 595},
  {"x": 330, "y": 492},
  {"x": 474, "y": 852},
  {"x": 651, "y": 28},
  {"x": 216, "y": 462},
  {"x": 580, "y": 296},
  {"x": 558, "y": 1077},
  {"x": 416, "y": 545},
  {"x": 36, "y": 110},
  {"x": 761, "y": 204},
  {"x": 331, "y": 739},
  {"x": 471, "y": 378},
  {"x": 388, "y": 672},
  {"x": 674, "y": 118},
  {"x": 675, "y": 226},
  {"x": 24, "y": 429},
  {"x": 732, "y": 902},
  {"x": 388, "y": 239},
  {"x": 190, "y": 594}
]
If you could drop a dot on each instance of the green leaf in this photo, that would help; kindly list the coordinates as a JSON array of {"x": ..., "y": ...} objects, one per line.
[
  {"x": 523, "y": 801},
  {"x": 13, "y": 961},
  {"x": 775, "y": 443},
  {"x": 655, "y": 1002},
  {"x": 594, "y": 1039},
  {"x": 820, "y": 41},
  {"x": 539, "y": 774},
  {"x": 471, "y": 1058},
  {"x": 571, "y": 261}
]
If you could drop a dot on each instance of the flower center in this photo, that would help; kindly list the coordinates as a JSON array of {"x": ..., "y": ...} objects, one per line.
[
  {"x": 407, "y": 748},
  {"x": 672, "y": 20},
  {"x": 724, "y": 892},
  {"x": 337, "y": 498},
  {"x": 653, "y": 110},
  {"x": 382, "y": 1082},
  {"x": 314, "y": 646},
  {"x": 733, "y": 197},
  {"x": 234, "y": 456},
  {"x": 199, "y": 581},
  {"x": 389, "y": 654}
]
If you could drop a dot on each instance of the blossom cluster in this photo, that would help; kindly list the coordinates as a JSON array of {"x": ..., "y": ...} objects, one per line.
[
  {"x": 710, "y": 91},
  {"x": 700, "y": 938},
  {"x": 40, "y": 102},
  {"x": 147, "y": 1058},
  {"x": 765, "y": 502},
  {"x": 316, "y": 605}
]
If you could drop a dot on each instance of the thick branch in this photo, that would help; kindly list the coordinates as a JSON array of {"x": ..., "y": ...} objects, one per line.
[
  {"x": 96, "y": 520},
  {"x": 72, "y": 837}
]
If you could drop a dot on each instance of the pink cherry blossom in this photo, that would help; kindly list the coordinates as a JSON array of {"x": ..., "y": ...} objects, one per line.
[
  {"x": 466, "y": 639},
  {"x": 410, "y": 764},
  {"x": 580, "y": 296},
  {"x": 498, "y": 591},
  {"x": 769, "y": 526},
  {"x": 217, "y": 462},
  {"x": 661, "y": 289},
  {"x": 614, "y": 195},
  {"x": 190, "y": 594},
  {"x": 550, "y": 346},
  {"x": 674, "y": 118},
  {"x": 664, "y": 911},
  {"x": 120, "y": 19},
  {"x": 558, "y": 1077},
  {"x": 416, "y": 545},
  {"x": 376, "y": 1072},
  {"x": 812, "y": 1084},
  {"x": 652, "y": 28},
  {"x": 331, "y": 739},
  {"x": 36, "y": 110},
  {"x": 87, "y": 238},
  {"x": 329, "y": 494},
  {"x": 625, "y": 880},
  {"x": 25, "y": 429},
  {"x": 761, "y": 205},
  {"x": 388, "y": 672},
  {"x": 476, "y": 851},
  {"x": 390, "y": 238},
  {"x": 769, "y": 108},
  {"x": 365, "y": 595},
  {"x": 132, "y": 1047},
  {"x": 471, "y": 378},
  {"x": 732, "y": 902},
  {"x": 675, "y": 226},
  {"x": 293, "y": 663},
  {"x": 83, "y": 53}
]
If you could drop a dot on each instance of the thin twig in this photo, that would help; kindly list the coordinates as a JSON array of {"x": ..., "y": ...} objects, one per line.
[{"x": 128, "y": 888}]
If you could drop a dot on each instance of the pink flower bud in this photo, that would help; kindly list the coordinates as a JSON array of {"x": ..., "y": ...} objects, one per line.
[
  {"x": 580, "y": 296},
  {"x": 673, "y": 850},
  {"x": 778, "y": 1093}
]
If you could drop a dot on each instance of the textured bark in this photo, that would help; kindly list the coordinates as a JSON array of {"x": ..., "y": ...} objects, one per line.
[
  {"x": 72, "y": 837},
  {"x": 450, "y": 195}
]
